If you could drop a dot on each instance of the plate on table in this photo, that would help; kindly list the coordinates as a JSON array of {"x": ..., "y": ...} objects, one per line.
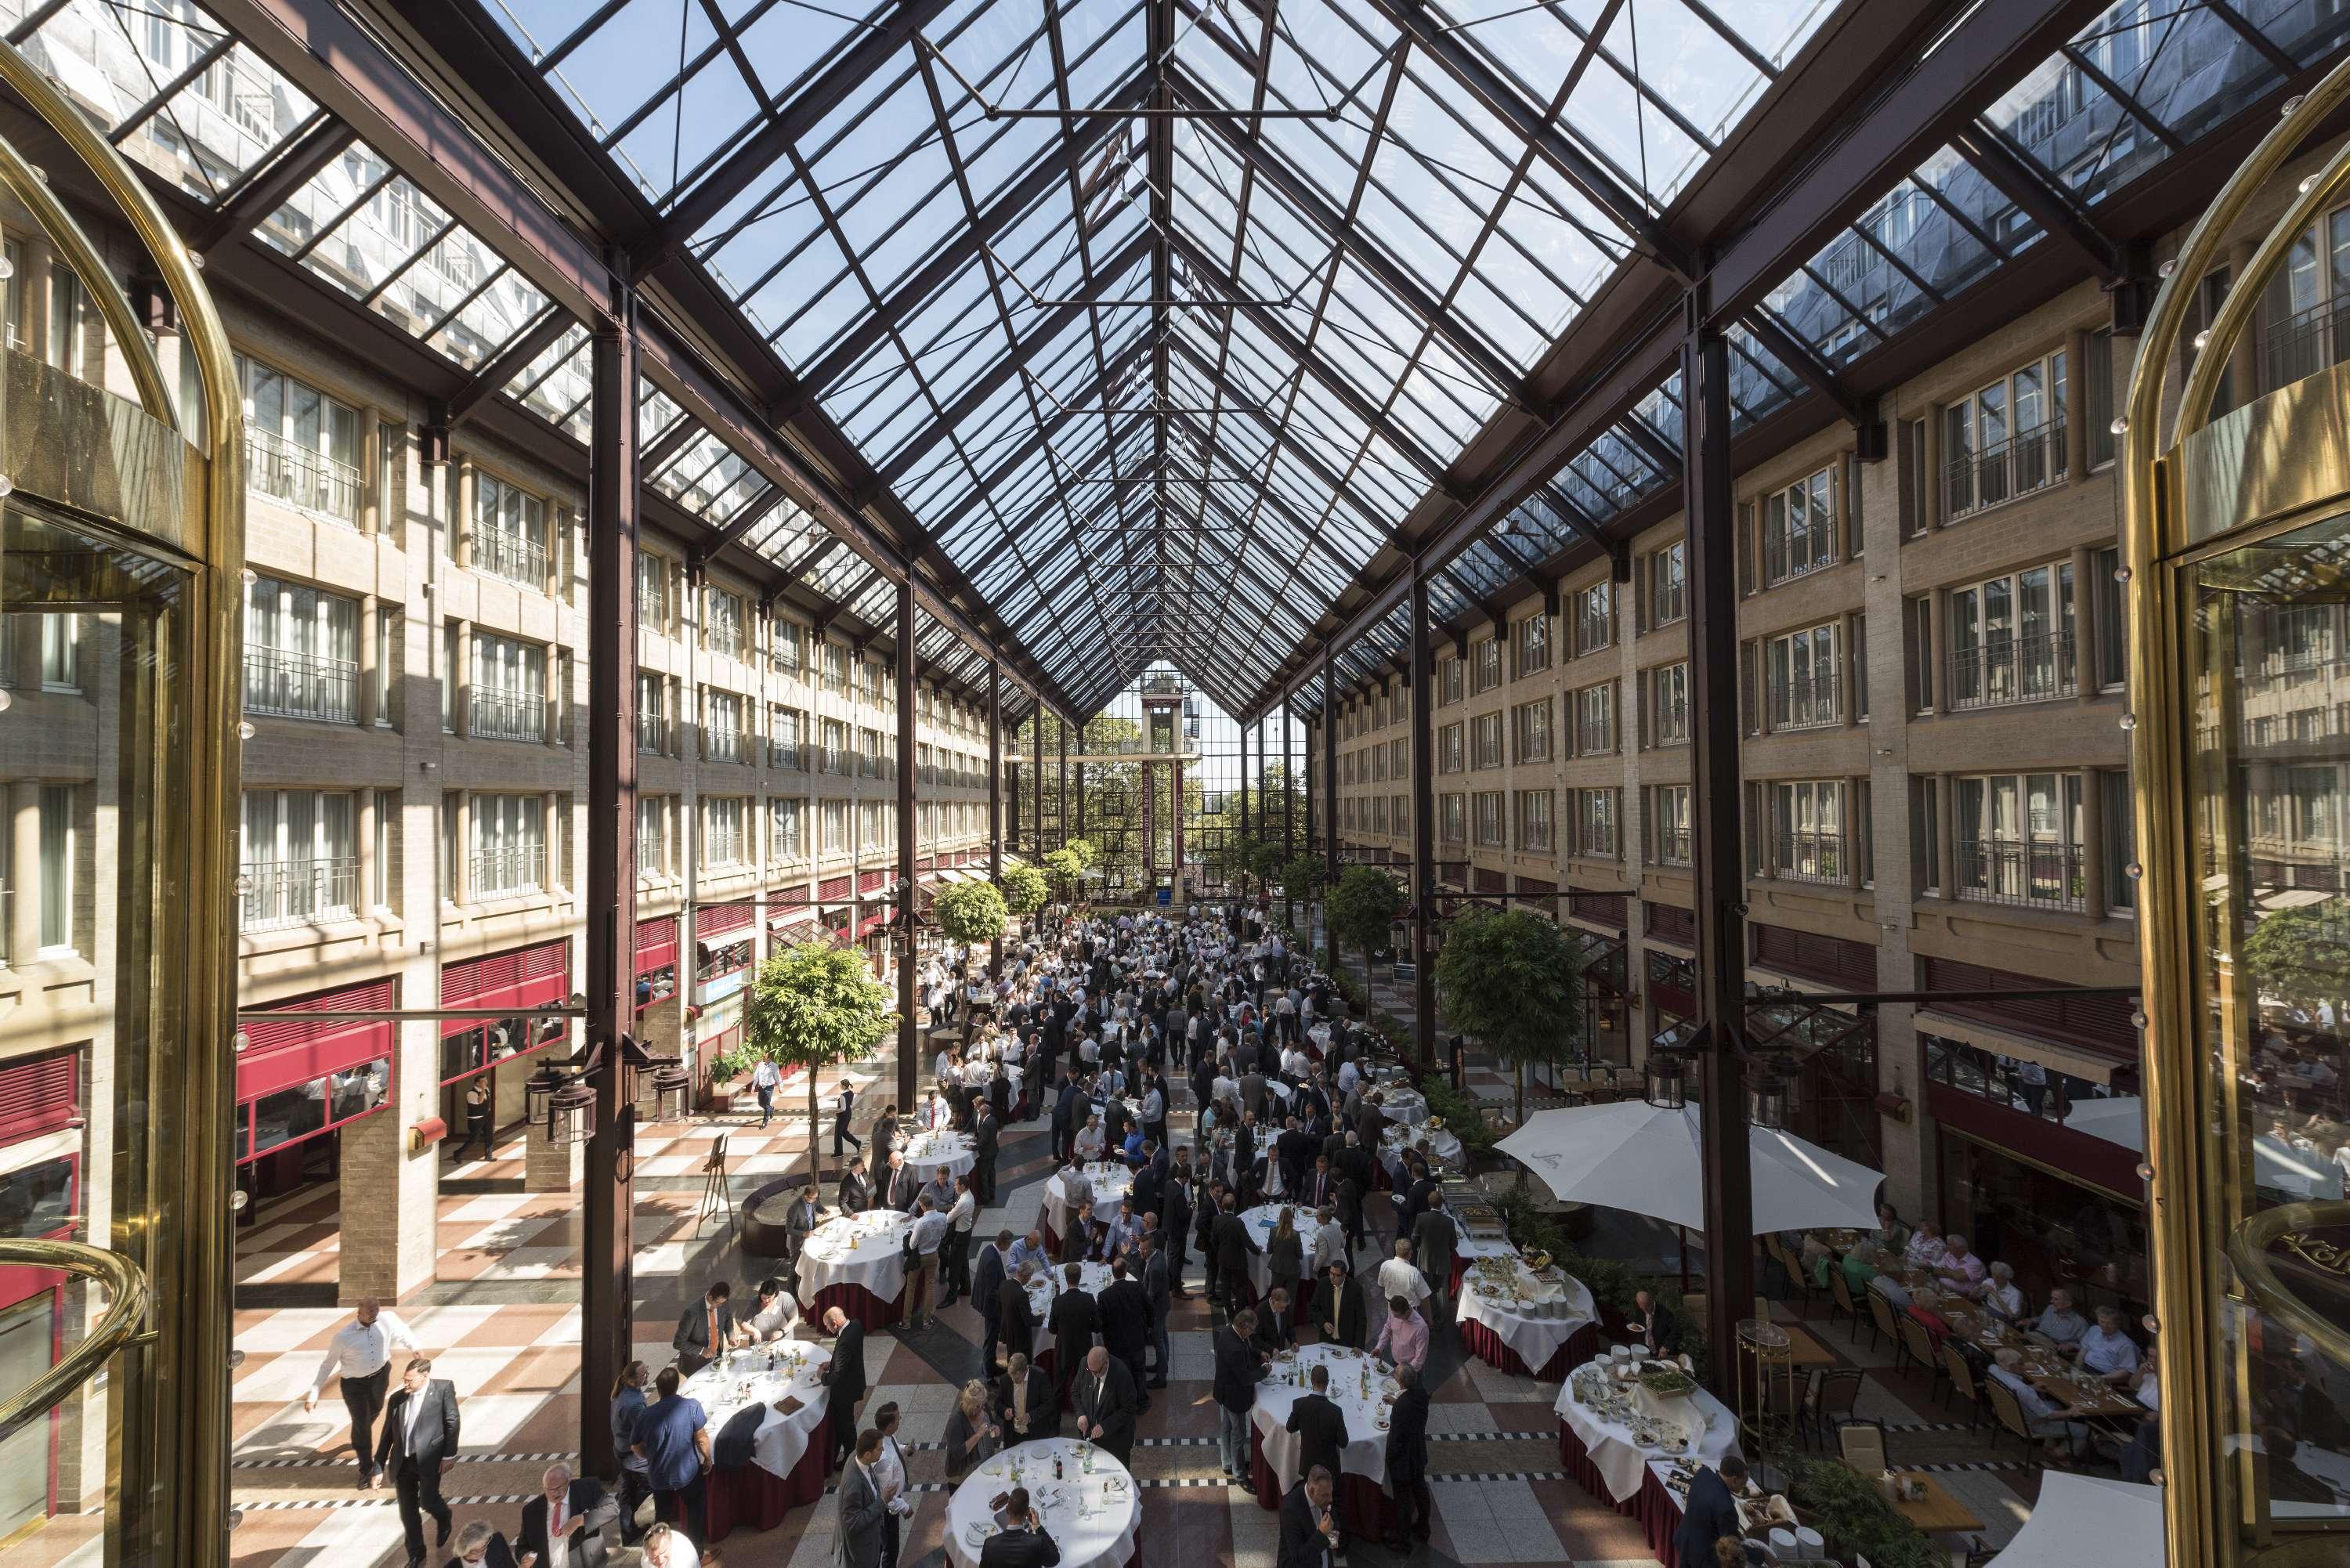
[{"x": 979, "y": 1530}]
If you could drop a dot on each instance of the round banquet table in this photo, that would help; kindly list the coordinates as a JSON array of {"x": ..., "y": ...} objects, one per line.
[
  {"x": 1603, "y": 1458},
  {"x": 930, "y": 1152},
  {"x": 1363, "y": 1506},
  {"x": 1443, "y": 1142},
  {"x": 1402, "y": 1105},
  {"x": 1044, "y": 1287},
  {"x": 1469, "y": 1248},
  {"x": 1106, "y": 1534},
  {"x": 856, "y": 1262},
  {"x": 787, "y": 1456},
  {"x": 1550, "y": 1327},
  {"x": 1260, "y": 1221},
  {"x": 1110, "y": 1181}
]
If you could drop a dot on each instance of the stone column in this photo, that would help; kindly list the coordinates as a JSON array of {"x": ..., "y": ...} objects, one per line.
[
  {"x": 25, "y": 860},
  {"x": 390, "y": 1196},
  {"x": 548, "y": 1166}
]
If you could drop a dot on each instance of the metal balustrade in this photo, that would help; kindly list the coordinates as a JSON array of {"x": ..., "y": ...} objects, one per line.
[
  {"x": 290, "y": 892},
  {"x": 287, "y": 684},
  {"x": 2038, "y": 876},
  {"x": 300, "y": 476},
  {"x": 2013, "y": 669},
  {"x": 2027, "y": 460}
]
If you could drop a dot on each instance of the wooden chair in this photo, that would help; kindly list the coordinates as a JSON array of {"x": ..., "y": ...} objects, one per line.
[
  {"x": 1881, "y": 1324},
  {"x": 2008, "y": 1411},
  {"x": 1799, "y": 1283},
  {"x": 1829, "y": 1405},
  {"x": 1918, "y": 1347},
  {"x": 1861, "y": 1445},
  {"x": 1840, "y": 1301},
  {"x": 1961, "y": 1380}
]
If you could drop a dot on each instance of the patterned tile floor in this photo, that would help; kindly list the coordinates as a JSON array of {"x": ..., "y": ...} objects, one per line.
[{"x": 502, "y": 1321}]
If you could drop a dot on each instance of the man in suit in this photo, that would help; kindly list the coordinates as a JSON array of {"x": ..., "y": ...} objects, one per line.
[
  {"x": 862, "y": 1510},
  {"x": 898, "y": 1187},
  {"x": 563, "y": 1526},
  {"x": 1276, "y": 1325},
  {"x": 704, "y": 1329},
  {"x": 1026, "y": 1407},
  {"x": 1309, "y": 1529},
  {"x": 1021, "y": 1542},
  {"x": 1232, "y": 1245},
  {"x": 844, "y": 1379},
  {"x": 1175, "y": 1218},
  {"x": 1125, "y": 1315},
  {"x": 1157, "y": 1297},
  {"x": 1067, "y": 1116},
  {"x": 1407, "y": 1462},
  {"x": 803, "y": 1215},
  {"x": 856, "y": 1195},
  {"x": 1015, "y": 1319},
  {"x": 1434, "y": 1239},
  {"x": 1074, "y": 1318},
  {"x": 1652, "y": 1327},
  {"x": 1149, "y": 1189},
  {"x": 1319, "y": 1188},
  {"x": 479, "y": 1545},
  {"x": 986, "y": 1283},
  {"x": 1239, "y": 1369},
  {"x": 986, "y": 1137},
  {"x": 885, "y": 1138},
  {"x": 1320, "y": 1426},
  {"x": 844, "y": 1106},
  {"x": 1106, "y": 1401},
  {"x": 1341, "y": 1308},
  {"x": 420, "y": 1435},
  {"x": 1710, "y": 1513}
]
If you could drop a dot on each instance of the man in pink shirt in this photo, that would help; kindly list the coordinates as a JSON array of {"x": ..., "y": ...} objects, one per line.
[
  {"x": 1959, "y": 1266},
  {"x": 1403, "y": 1338}
]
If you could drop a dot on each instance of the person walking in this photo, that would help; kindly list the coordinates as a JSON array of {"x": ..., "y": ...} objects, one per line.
[
  {"x": 766, "y": 1078},
  {"x": 859, "y": 1532},
  {"x": 844, "y": 1106},
  {"x": 1407, "y": 1462},
  {"x": 360, "y": 1355},
  {"x": 420, "y": 1436}
]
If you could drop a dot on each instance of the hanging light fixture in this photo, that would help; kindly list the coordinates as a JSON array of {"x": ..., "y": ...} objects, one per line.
[
  {"x": 571, "y": 1114},
  {"x": 1771, "y": 1095},
  {"x": 1666, "y": 1076},
  {"x": 670, "y": 1084},
  {"x": 538, "y": 1090}
]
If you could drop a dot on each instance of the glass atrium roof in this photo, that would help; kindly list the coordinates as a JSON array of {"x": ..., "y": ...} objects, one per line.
[{"x": 1160, "y": 316}]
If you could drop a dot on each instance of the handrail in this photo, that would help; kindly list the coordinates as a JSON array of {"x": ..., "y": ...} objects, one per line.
[{"x": 123, "y": 1321}]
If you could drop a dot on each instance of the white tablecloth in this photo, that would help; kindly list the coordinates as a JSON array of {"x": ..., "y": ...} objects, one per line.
[
  {"x": 950, "y": 1151},
  {"x": 1367, "y": 1442},
  {"x": 1619, "y": 1460},
  {"x": 855, "y": 1249},
  {"x": 1051, "y": 1284},
  {"x": 1443, "y": 1143},
  {"x": 782, "y": 1439},
  {"x": 1261, "y": 1221},
  {"x": 1110, "y": 1182},
  {"x": 1106, "y": 1538},
  {"x": 1535, "y": 1339},
  {"x": 1405, "y": 1105}
]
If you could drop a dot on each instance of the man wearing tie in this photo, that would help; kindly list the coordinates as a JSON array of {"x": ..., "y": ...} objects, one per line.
[
  {"x": 1106, "y": 1402},
  {"x": 1321, "y": 1187},
  {"x": 900, "y": 1188},
  {"x": 360, "y": 1354},
  {"x": 420, "y": 1435},
  {"x": 1309, "y": 1531},
  {"x": 704, "y": 1330},
  {"x": 1341, "y": 1308},
  {"x": 562, "y": 1527}
]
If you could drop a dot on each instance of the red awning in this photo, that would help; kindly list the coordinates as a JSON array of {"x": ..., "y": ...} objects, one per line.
[
  {"x": 281, "y": 1052},
  {"x": 522, "y": 977},
  {"x": 657, "y": 944},
  {"x": 711, "y": 919}
]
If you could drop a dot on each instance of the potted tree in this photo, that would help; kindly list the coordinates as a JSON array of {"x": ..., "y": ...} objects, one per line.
[
  {"x": 1508, "y": 979},
  {"x": 812, "y": 1006},
  {"x": 967, "y": 914},
  {"x": 1365, "y": 903},
  {"x": 1302, "y": 877},
  {"x": 1063, "y": 868},
  {"x": 1023, "y": 888}
]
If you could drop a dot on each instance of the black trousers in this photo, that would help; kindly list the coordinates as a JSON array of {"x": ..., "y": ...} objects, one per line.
[
  {"x": 955, "y": 1262},
  {"x": 840, "y": 1134},
  {"x": 684, "y": 1507},
  {"x": 363, "y": 1397},
  {"x": 635, "y": 1487},
  {"x": 890, "y": 1535},
  {"x": 1414, "y": 1507},
  {"x": 419, "y": 1487}
]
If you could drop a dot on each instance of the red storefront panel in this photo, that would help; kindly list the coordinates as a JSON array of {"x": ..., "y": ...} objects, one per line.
[
  {"x": 1832, "y": 961},
  {"x": 521, "y": 976},
  {"x": 282, "y": 1052},
  {"x": 872, "y": 881},
  {"x": 835, "y": 889},
  {"x": 39, "y": 1093},
  {"x": 657, "y": 944},
  {"x": 1604, "y": 908},
  {"x": 712, "y": 919}
]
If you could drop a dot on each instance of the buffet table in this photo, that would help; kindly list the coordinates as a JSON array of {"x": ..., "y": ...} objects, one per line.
[
  {"x": 787, "y": 1456},
  {"x": 1095, "y": 1517},
  {"x": 1607, "y": 1432},
  {"x": 1537, "y": 1325},
  {"x": 856, "y": 1262},
  {"x": 1362, "y": 1390}
]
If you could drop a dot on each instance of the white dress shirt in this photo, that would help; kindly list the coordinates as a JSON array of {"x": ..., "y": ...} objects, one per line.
[
  {"x": 559, "y": 1521},
  {"x": 362, "y": 1350},
  {"x": 890, "y": 1477},
  {"x": 1402, "y": 1277}
]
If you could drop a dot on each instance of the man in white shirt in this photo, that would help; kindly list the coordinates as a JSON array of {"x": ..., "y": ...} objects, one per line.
[
  {"x": 360, "y": 1354},
  {"x": 890, "y": 1476},
  {"x": 2000, "y": 1294},
  {"x": 2108, "y": 1351},
  {"x": 962, "y": 1215},
  {"x": 1329, "y": 1240},
  {"x": 1090, "y": 1140},
  {"x": 1400, "y": 1276},
  {"x": 765, "y": 1076},
  {"x": 1348, "y": 1076},
  {"x": 921, "y": 1279}
]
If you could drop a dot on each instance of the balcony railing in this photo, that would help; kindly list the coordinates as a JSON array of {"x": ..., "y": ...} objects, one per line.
[
  {"x": 652, "y": 733},
  {"x": 516, "y": 557},
  {"x": 291, "y": 685},
  {"x": 1669, "y": 724},
  {"x": 1803, "y": 702},
  {"x": 300, "y": 476},
  {"x": 837, "y": 758},
  {"x": 290, "y": 892},
  {"x": 2028, "y": 460},
  {"x": 517, "y": 869},
  {"x": 2013, "y": 669},
  {"x": 722, "y": 745},
  {"x": 494, "y": 715},
  {"x": 2038, "y": 876},
  {"x": 1808, "y": 856},
  {"x": 785, "y": 754},
  {"x": 1673, "y": 847},
  {"x": 2304, "y": 343}
]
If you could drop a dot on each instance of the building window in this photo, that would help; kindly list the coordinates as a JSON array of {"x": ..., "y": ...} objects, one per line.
[
  {"x": 787, "y": 732},
  {"x": 2006, "y": 440},
  {"x": 836, "y": 669},
  {"x": 299, "y": 857},
  {"x": 1530, "y": 643},
  {"x": 1799, "y": 528},
  {"x": 1669, "y": 705},
  {"x": 2020, "y": 840},
  {"x": 1807, "y": 830},
  {"x": 301, "y": 446},
  {"x": 722, "y": 726},
  {"x": 384, "y": 873},
  {"x": 1450, "y": 681},
  {"x": 1455, "y": 819},
  {"x": 60, "y": 833},
  {"x": 721, "y": 630},
  {"x": 1595, "y": 824},
  {"x": 1533, "y": 820},
  {"x": 2113, "y": 623},
  {"x": 301, "y": 653},
  {"x": 790, "y": 641},
  {"x": 1926, "y": 837},
  {"x": 834, "y": 819},
  {"x": 1595, "y": 618},
  {"x": 1667, "y": 822},
  {"x": 390, "y": 650},
  {"x": 652, "y": 836},
  {"x": 507, "y": 700},
  {"x": 2011, "y": 638},
  {"x": 784, "y": 846},
  {"x": 1669, "y": 585},
  {"x": 1595, "y": 720},
  {"x": 1920, "y": 654},
  {"x": 2119, "y": 830},
  {"x": 509, "y": 533},
  {"x": 1530, "y": 731},
  {"x": 1487, "y": 741},
  {"x": 1859, "y": 658},
  {"x": 1450, "y": 750},
  {"x": 1488, "y": 655},
  {"x": 726, "y": 832},
  {"x": 652, "y": 715},
  {"x": 2097, "y": 368},
  {"x": 61, "y": 652},
  {"x": 1493, "y": 828},
  {"x": 652, "y": 594},
  {"x": 509, "y": 845},
  {"x": 1800, "y": 669}
]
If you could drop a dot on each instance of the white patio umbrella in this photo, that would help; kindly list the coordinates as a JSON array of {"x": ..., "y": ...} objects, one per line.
[
  {"x": 1636, "y": 1157},
  {"x": 2088, "y": 1518},
  {"x": 2121, "y": 1119}
]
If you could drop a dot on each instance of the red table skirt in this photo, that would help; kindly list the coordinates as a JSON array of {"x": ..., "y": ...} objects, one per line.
[
  {"x": 1460, "y": 1273},
  {"x": 1490, "y": 1348},
  {"x": 1365, "y": 1509},
  {"x": 1584, "y": 1474},
  {"x": 756, "y": 1497},
  {"x": 861, "y": 1305},
  {"x": 1660, "y": 1513}
]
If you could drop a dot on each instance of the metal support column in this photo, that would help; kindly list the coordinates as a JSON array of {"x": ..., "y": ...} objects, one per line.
[
  {"x": 1036, "y": 766},
  {"x": 607, "y": 1297},
  {"x": 1329, "y": 765},
  {"x": 996, "y": 796},
  {"x": 1423, "y": 830},
  {"x": 908, "y": 852},
  {"x": 1715, "y": 858},
  {"x": 1245, "y": 838},
  {"x": 1061, "y": 801},
  {"x": 1288, "y": 785}
]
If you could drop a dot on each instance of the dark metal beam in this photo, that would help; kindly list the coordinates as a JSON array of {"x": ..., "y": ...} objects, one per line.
[
  {"x": 272, "y": 185},
  {"x": 493, "y": 377},
  {"x": 1806, "y": 362},
  {"x": 2025, "y": 183},
  {"x": 1423, "y": 825},
  {"x": 910, "y": 1046}
]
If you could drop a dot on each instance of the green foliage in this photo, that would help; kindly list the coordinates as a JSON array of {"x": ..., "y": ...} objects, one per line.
[
  {"x": 2302, "y": 956},
  {"x": 968, "y": 913},
  {"x": 1025, "y": 889},
  {"x": 810, "y": 1006},
  {"x": 1845, "y": 1508},
  {"x": 1302, "y": 875},
  {"x": 1062, "y": 867},
  {"x": 1088, "y": 857},
  {"x": 1508, "y": 979},
  {"x": 1366, "y": 902},
  {"x": 1265, "y": 859},
  {"x": 1461, "y": 1114}
]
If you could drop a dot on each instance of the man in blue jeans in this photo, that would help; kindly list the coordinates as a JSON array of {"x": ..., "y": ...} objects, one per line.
[
  {"x": 765, "y": 1078},
  {"x": 673, "y": 1439},
  {"x": 1239, "y": 1366}
]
